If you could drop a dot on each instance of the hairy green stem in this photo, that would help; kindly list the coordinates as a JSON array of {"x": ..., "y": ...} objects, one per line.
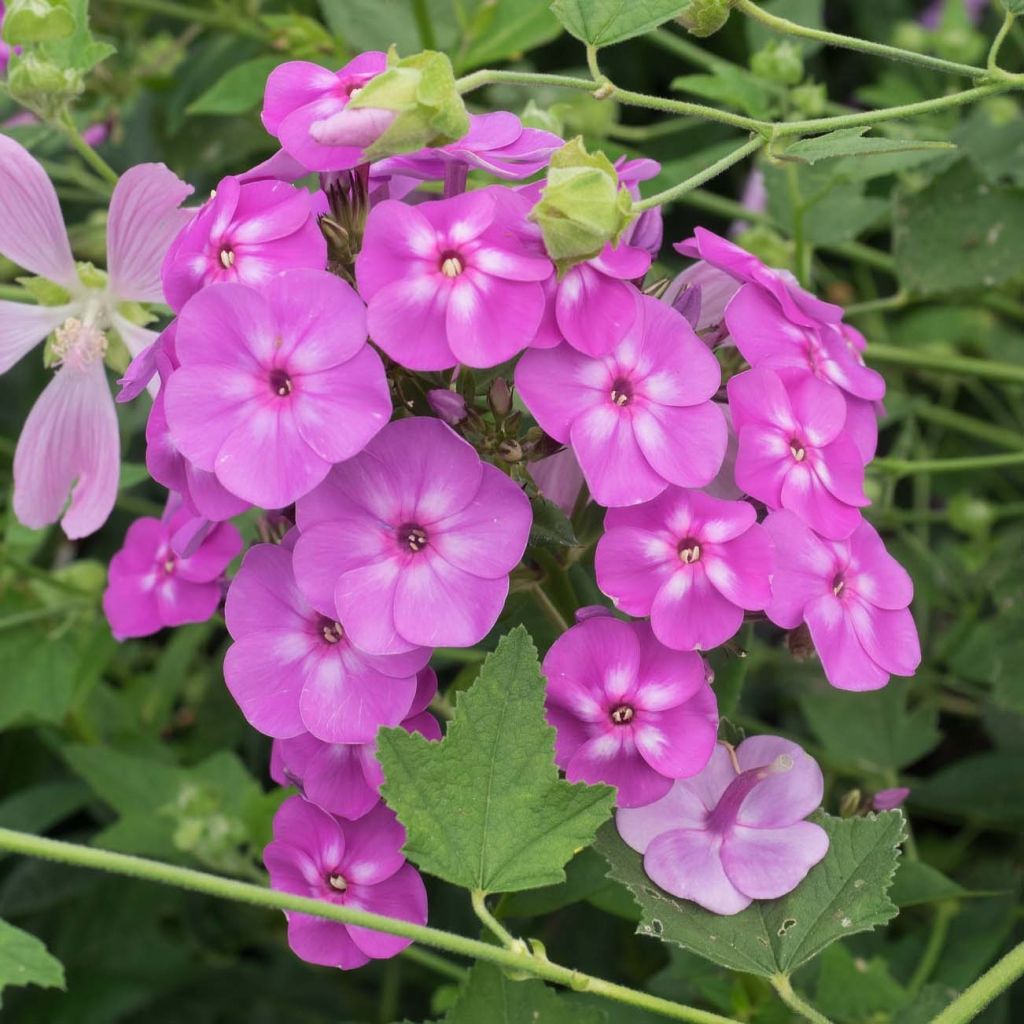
[
  {"x": 479, "y": 900},
  {"x": 88, "y": 154},
  {"x": 255, "y": 895},
  {"x": 921, "y": 359},
  {"x": 969, "y": 426},
  {"x": 781, "y": 984},
  {"x": 909, "y": 467},
  {"x": 992, "y": 63},
  {"x": 992, "y": 983},
  {"x": 941, "y": 920},
  {"x": 487, "y": 76}
]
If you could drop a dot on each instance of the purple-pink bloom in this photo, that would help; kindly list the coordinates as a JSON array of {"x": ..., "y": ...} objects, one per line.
[
  {"x": 150, "y": 587},
  {"x": 345, "y": 778},
  {"x": 889, "y": 799},
  {"x": 246, "y": 233},
  {"x": 692, "y": 562},
  {"x": 793, "y": 451},
  {"x": 854, "y": 597},
  {"x": 412, "y": 540},
  {"x": 734, "y": 833},
  {"x": 276, "y": 385},
  {"x": 639, "y": 418},
  {"x": 463, "y": 270},
  {"x": 305, "y": 107},
  {"x": 628, "y": 711},
  {"x": 447, "y": 404},
  {"x": 293, "y": 667},
  {"x": 355, "y": 864}
]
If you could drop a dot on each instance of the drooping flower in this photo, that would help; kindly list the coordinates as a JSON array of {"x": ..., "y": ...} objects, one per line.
[
  {"x": 793, "y": 452},
  {"x": 293, "y": 667},
  {"x": 735, "y": 833},
  {"x": 246, "y": 233},
  {"x": 276, "y": 385},
  {"x": 149, "y": 586},
  {"x": 854, "y": 597},
  {"x": 70, "y": 443},
  {"x": 345, "y": 778},
  {"x": 626, "y": 710},
  {"x": 461, "y": 270},
  {"x": 412, "y": 540},
  {"x": 692, "y": 562},
  {"x": 355, "y": 864},
  {"x": 302, "y": 97},
  {"x": 641, "y": 417}
]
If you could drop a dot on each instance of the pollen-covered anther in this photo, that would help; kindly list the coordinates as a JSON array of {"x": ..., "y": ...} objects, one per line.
[
  {"x": 797, "y": 450},
  {"x": 689, "y": 552},
  {"x": 227, "y": 258},
  {"x": 623, "y": 714},
  {"x": 78, "y": 345},
  {"x": 337, "y": 882},
  {"x": 838, "y": 585},
  {"x": 332, "y": 632},
  {"x": 451, "y": 265}
]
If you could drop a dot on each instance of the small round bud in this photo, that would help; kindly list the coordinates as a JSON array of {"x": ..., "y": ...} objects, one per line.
[
  {"x": 849, "y": 804},
  {"x": 449, "y": 406},
  {"x": 41, "y": 86},
  {"x": 780, "y": 62},
  {"x": 971, "y": 515},
  {"x": 499, "y": 398},
  {"x": 704, "y": 18},
  {"x": 809, "y": 99}
]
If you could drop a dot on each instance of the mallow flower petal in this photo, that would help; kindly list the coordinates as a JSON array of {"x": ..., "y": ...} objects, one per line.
[
  {"x": 688, "y": 864},
  {"x": 24, "y": 325},
  {"x": 766, "y": 863}
]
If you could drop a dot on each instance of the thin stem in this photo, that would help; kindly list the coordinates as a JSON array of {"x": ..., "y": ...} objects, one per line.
[
  {"x": 549, "y": 608},
  {"x": 486, "y": 76},
  {"x": 88, "y": 154},
  {"x": 479, "y": 900},
  {"x": 424, "y": 25},
  {"x": 15, "y": 293},
  {"x": 918, "y": 359},
  {"x": 717, "y": 168},
  {"x": 992, "y": 63},
  {"x": 37, "y": 614},
  {"x": 592, "y": 66},
  {"x": 198, "y": 16},
  {"x": 781, "y": 984},
  {"x": 968, "y": 463},
  {"x": 803, "y": 251},
  {"x": 670, "y": 106},
  {"x": 943, "y": 917},
  {"x": 969, "y": 426},
  {"x": 246, "y": 892},
  {"x": 898, "y": 300},
  {"x": 992, "y": 983},
  {"x": 791, "y": 28}
]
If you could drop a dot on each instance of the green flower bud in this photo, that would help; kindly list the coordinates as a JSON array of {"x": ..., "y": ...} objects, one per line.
[
  {"x": 911, "y": 35},
  {"x": 46, "y": 293},
  {"x": 582, "y": 207},
  {"x": 41, "y": 86},
  {"x": 704, "y": 18},
  {"x": 809, "y": 99},
  {"x": 959, "y": 42},
  {"x": 971, "y": 515},
  {"x": 849, "y": 804},
  {"x": 780, "y": 62},
  {"x": 37, "y": 21}
]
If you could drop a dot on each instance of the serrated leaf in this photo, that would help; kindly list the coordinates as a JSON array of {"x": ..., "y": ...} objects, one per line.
[
  {"x": 853, "y": 990},
  {"x": 851, "y": 142},
  {"x": 603, "y": 22},
  {"x": 24, "y": 960},
  {"x": 237, "y": 91},
  {"x": 844, "y": 894},
  {"x": 484, "y": 808}
]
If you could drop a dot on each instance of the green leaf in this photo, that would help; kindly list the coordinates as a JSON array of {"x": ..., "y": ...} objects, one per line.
[
  {"x": 854, "y": 990},
  {"x": 810, "y": 13},
  {"x": 957, "y": 234},
  {"x": 505, "y": 30},
  {"x": 927, "y": 1005},
  {"x": 731, "y": 86},
  {"x": 377, "y": 24},
  {"x": 485, "y": 808},
  {"x": 851, "y": 142},
  {"x": 956, "y": 791},
  {"x": 24, "y": 960},
  {"x": 81, "y": 51},
  {"x": 917, "y": 883},
  {"x": 238, "y": 91},
  {"x": 843, "y": 895},
  {"x": 37, "y": 677},
  {"x": 603, "y": 22},
  {"x": 551, "y": 526}
]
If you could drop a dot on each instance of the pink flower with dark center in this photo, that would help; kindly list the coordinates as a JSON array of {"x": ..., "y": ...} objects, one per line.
[
  {"x": 150, "y": 587},
  {"x": 626, "y": 710},
  {"x": 461, "y": 270},
  {"x": 355, "y": 864},
  {"x": 734, "y": 833},
  {"x": 246, "y": 233},
  {"x": 412, "y": 540},
  {"x": 305, "y": 107},
  {"x": 854, "y": 597},
  {"x": 345, "y": 778},
  {"x": 276, "y": 385},
  {"x": 793, "y": 452},
  {"x": 639, "y": 418},
  {"x": 691, "y": 562},
  {"x": 293, "y": 667}
]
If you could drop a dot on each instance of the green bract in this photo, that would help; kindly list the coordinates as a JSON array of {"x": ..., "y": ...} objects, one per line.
[
  {"x": 705, "y": 17},
  {"x": 36, "y": 21}
]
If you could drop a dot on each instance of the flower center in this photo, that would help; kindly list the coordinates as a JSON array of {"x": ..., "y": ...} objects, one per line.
[
  {"x": 622, "y": 714},
  {"x": 838, "y": 584},
  {"x": 797, "y": 450},
  {"x": 280, "y": 383},
  {"x": 169, "y": 566},
  {"x": 331, "y": 631},
  {"x": 412, "y": 537},
  {"x": 621, "y": 393},
  {"x": 689, "y": 551},
  {"x": 227, "y": 258},
  {"x": 451, "y": 264},
  {"x": 78, "y": 345},
  {"x": 337, "y": 882}
]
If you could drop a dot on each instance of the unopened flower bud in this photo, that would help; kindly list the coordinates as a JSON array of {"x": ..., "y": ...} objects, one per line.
[
  {"x": 889, "y": 799},
  {"x": 849, "y": 804},
  {"x": 41, "y": 86},
  {"x": 543, "y": 118},
  {"x": 449, "y": 406},
  {"x": 704, "y": 18},
  {"x": 780, "y": 62},
  {"x": 809, "y": 99},
  {"x": 499, "y": 398},
  {"x": 37, "y": 21}
]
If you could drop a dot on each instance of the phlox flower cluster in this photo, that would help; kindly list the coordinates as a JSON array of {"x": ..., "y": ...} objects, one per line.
[{"x": 314, "y": 375}]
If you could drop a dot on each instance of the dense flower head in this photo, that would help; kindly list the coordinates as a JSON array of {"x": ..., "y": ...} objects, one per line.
[
  {"x": 627, "y": 710},
  {"x": 736, "y": 832},
  {"x": 356, "y": 864}
]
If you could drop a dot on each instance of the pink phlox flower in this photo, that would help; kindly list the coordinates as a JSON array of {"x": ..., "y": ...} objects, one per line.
[
  {"x": 639, "y": 418},
  {"x": 794, "y": 452},
  {"x": 735, "y": 833},
  {"x": 70, "y": 443},
  {"x": 628, "y": 711},
  {"x": 150, "y": 586},
  {"x": 691, "y": 562},
  {"x": 345, "y": 778},
  {"x": 276, "y": 385},
  {"x": 412, "y": 540},
  {"x": 355, "y": 864},
  {"x": 701, "y": 293},
  {"x": 854, "y": 597},
  {"x": 647, "y": 231},
  {"x": 559, "y": 479},
  {"x": 294, "y": 668}
]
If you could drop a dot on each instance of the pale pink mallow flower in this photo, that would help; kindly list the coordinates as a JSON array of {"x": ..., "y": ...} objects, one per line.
[
  {"x": 245, "y": 233},
  {"x": 69, "y": 444},
  {"x": 691, "y": 562},
  {"x": 793, "y": 450},
  {"x": 412, "y": 540},
  {"x": 275, "y": 385},
  {"x": 736, "y": 832},
  {"x": 149, "y": 586},
  {"x": 854, "y": 597},
  {"x": 466, "y": 271},
  {"x": 345, "y": 778},
  {"x": 626, "y": 710},
  {"x": 293, "y": 667},
  {"x": 639, "y": 418},
  {"x": 305, "y": 107},
  {"x": 355, "y": 864}
]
